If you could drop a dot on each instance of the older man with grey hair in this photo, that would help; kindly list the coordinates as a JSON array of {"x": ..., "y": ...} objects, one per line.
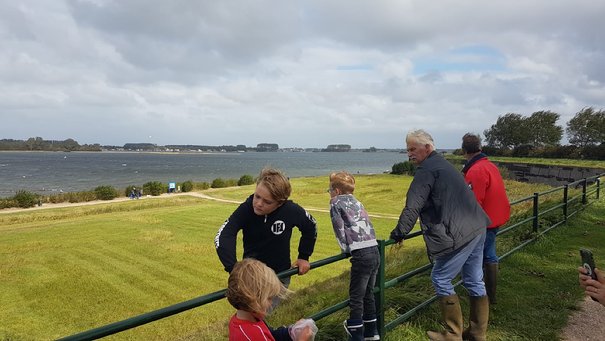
[{"x": 453, "y": 226}]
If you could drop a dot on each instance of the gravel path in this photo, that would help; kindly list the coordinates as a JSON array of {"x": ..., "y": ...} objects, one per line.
[{"x": 587, "y": 324}]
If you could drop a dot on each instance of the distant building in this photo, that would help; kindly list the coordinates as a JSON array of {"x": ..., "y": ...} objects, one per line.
[
  {"x": 267, "y": 147},
  {"x": 337, "y": 148}
]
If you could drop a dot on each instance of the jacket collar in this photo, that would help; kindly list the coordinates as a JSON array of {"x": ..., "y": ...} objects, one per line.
[{"x": 472, "y": 161}]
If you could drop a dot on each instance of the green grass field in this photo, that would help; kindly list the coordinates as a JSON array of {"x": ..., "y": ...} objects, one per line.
[
  {"x": 544, "y": 161},
  {"x": 63, "y": 271}
]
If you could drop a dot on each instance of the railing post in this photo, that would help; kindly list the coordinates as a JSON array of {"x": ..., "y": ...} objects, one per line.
[
  {"x": 379, "y": 296},
  {"x": 584, "y": 191},
  {"x": 565, "y": 203},
  {"x": 536, "y": 197},
  {"x": 598, "y": 187}
]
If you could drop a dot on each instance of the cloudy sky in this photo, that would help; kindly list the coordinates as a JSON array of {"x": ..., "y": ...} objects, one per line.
[{"x": 296, "y": 73}]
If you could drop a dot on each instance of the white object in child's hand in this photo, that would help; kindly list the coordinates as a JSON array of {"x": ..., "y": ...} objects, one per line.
[{"x": 301, "y": 325}]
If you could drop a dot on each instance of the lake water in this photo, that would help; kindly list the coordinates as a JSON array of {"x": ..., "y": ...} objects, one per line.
[{"x": 53, "y": 172}]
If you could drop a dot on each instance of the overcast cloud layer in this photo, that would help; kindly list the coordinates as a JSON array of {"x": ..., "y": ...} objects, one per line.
[{"x": 296, "y": 73}]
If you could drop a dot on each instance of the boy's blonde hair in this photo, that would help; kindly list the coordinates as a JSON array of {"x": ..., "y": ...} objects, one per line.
[
  {"x": 344, "y": 181},
  {"x": 276, "y": 182},
  {"x": 251, "y": 284}
]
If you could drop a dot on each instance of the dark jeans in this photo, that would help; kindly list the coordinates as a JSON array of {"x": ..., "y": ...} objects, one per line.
[
  {"x": 489, "y": 250},
  {"x": 364, "y": 267}
]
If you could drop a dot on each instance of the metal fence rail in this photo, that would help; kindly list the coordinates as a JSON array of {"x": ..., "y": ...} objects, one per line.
[{"x": 381, "y": 282}]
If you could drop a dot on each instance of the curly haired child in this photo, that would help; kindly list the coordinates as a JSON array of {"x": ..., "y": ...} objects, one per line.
[{"x": 251, "y": 288}]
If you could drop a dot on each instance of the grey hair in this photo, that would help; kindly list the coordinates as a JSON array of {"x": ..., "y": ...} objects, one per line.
[{"x": 420, "y": 136}]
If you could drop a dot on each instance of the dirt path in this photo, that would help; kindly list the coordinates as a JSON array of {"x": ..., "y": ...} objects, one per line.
[
  {"x": 120, "y": 199},
  {"x": 587, "y": 324}
]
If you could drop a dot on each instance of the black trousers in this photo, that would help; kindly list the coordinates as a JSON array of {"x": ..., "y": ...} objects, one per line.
[{"x": 364, "y": 267}]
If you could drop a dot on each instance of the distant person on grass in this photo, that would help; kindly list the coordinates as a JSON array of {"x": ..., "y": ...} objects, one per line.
[
  {"x": 484, "y": 178},
  {"x": 355, "y": 235},
  {"x": 251, "y": 288},
  {"x": 267, "y": 219},
  {"x": 453, "y": 226}
]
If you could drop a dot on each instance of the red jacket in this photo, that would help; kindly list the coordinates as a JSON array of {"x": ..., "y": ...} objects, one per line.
[
  {"x": 484, "y": 178},
  {"x": 242, "y": 330}
]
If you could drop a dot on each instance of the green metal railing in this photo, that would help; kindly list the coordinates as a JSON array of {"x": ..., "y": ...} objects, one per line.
[{"x": 381, "y": 281}]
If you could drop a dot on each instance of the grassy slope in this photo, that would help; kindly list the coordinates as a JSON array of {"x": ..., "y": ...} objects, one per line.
[
  {"x": 544, "y": 161},
  {"x": 68, "y": 270}
]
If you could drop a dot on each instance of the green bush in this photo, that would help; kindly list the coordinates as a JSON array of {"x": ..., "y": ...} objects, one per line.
[
  {"x": 218, "y": 183},
  {"x": 25, "y": 199},
  {"x": 106, "y": 193},
  {"x": 230, "y": 182},
  {"x": 155, "y": 188},
  {"x": 245, "y": 180},
  {"x": 406, "y": 167},
  {"x": 81, "y": 196},
  {"x": 201, "y": 185},
  {"x": 187, "y": 186},
  {"x": 7, "y": 203}
]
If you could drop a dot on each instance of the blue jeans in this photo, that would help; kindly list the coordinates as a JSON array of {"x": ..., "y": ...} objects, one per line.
[
  {"x": 489, "y": 250},
  {"x": 364, "y": 268},
  {"x": 469, "y": 261}
]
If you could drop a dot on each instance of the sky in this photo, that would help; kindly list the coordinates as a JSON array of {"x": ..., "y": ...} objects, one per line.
[{"x": 296, "y": 73}]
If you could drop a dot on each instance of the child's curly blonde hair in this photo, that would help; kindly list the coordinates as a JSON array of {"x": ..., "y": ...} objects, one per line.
[
  {"x": 251, "y": 284},
  {"x": 344, "y": 181}
]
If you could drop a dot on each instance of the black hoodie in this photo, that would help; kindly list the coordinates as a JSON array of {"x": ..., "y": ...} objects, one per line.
[{"x": 266, "y": 238}]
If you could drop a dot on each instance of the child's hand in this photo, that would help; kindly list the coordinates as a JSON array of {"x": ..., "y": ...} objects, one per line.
[
  {"x": 302, "y": 265},
  {"x": 303, "y": 330},
  {"x": 306, "y": 334}
]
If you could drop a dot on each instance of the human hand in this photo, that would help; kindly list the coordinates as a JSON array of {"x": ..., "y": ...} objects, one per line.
[
  {"x": 595, "y": 288},
  {"x": 397, "y": 236},
  {"x": 582, "y": 276},
  {"x": 302, "y": 265},
  {"x": 306, "y": 334},
  {"x": 303, "y": 330}
]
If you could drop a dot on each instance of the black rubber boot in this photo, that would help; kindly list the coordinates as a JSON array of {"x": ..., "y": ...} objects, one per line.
[
  {"x": 370, "y": 329},
  {"x": 354, "y": 328}
]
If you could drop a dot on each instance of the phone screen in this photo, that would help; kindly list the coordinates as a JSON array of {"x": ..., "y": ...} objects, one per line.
[{"x": 588, "y": 263}]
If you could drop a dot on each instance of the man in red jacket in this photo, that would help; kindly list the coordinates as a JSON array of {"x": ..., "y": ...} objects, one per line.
[{"x": 484, "y": 178}]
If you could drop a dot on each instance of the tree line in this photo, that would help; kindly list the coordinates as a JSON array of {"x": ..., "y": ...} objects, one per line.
[
  {"x": 40, "y": 144},
  {"x": 538, "y": 135}
]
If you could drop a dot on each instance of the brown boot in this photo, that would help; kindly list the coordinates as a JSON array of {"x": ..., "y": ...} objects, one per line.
[
  {"x": 452, "y": 316},
  {"x": 478, "y": 319},
  {"x": 490, "y": 277}
]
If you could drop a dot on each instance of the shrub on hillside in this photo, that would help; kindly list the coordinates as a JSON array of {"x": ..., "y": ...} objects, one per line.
[
  {"x": 106, "y": 193},
  {"x": 406, "y": 167},
  {"x": 201, "y": 185},
  {"x": 230, "y": 182},
  {"x": 81, "y": 196},
  {"x": 523, "y": 150},
  {"x": 154, "y": 188},
  {"x": 7, "y": 203},
  {"x": 218, "y": 183},
  {"x": 245, "y": 180},
  {"x": 492, "y": 151},
  {"x": 187, "y": 186},
  {"x": 25, "y": 199},
  {"x": 594, "y": 152}
]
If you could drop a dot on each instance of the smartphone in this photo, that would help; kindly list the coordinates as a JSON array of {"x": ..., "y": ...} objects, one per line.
[{"x": 588, "y": 263}]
